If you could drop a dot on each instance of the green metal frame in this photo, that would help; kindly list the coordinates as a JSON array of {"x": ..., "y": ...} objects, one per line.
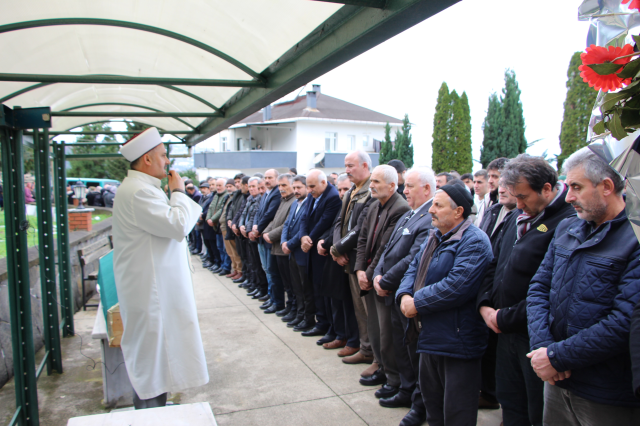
[
  {"x": 132, "y": 25},
  {"x": 124, "y": 104},
  {"x": 133, "y": 114},
  {"x": 115, "y": 132},
  {"x": 49, "y": 293},
  {"x": 122, "y": 79},
  {"x": 379, "y": 4}
]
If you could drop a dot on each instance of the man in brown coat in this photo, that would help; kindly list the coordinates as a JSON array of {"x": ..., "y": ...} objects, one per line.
[
  {"x": 376, "y": 231},
  {"x": 272, "y": 234}
]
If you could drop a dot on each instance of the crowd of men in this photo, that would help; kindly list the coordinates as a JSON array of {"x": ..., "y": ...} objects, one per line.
[{"x": 521, "y": 299}]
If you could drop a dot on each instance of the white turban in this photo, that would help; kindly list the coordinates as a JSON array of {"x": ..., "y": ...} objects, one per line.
[{"x": 139, "y": 145}]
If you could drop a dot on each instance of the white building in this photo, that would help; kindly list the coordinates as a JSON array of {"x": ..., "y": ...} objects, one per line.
[{"x": 294, "y": 134}]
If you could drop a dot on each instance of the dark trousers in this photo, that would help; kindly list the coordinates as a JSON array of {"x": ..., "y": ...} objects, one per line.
[
  {"x": 303, "y": 290},
  {"x": 260, "y": 278},
  {"x": 277, "y": 287},
  {"x": 407, "y": 360},
  {"x": 241, "y": 244},
  {"x": 488, "y": 381},
  {"x": 518, "y": 389},
  {"x": 323, "y": 304},
  {"x": 158, "y": 401},
  {"x": 450, "y": 389},
  {"x": 212, "y": 251},
  {"x": 381, "y": 336},
  {"x": 285, "y": 274},
  {"x": 345, "y": 325}
]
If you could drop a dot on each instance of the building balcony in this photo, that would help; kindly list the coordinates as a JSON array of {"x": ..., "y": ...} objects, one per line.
[
  {"x": 335, "y": 160},
  {"x": 241, "y": 160}
]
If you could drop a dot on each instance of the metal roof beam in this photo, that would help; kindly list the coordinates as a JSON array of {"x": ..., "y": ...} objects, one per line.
[
  {"x": 121, "y": 79},
  {"x": 125, "y": 104},
  {"x": 378, "y": 4},
  {"x": 132, "y": 114},
  {"x": 115, "y": 132},
  {"x": 132, "y": 25},
  {"x": 346, "y": 34}
]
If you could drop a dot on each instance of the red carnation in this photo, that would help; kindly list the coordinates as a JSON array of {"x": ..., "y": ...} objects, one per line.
[
  {"x": 635, "y": 4},
  {"x": 600, "y": 55}
]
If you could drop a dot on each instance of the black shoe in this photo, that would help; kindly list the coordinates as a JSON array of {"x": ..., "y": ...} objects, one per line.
[
  {"x": 414, "y": 418},
  {"x": 266, "y": 304},
  {"x": 304, "y": 326},
  {"x": 325, "y": 339},
  {"x": 315, "y": 331},
  {"x": 215, "y": 270},
  {"x": 259, "y": 295},
  {"x": 241, "y": 280},
  {"x": 206, "y": 264},
  {"x": 272, "y": 309},
  {"x": 244, "y": 285},
  {"x": 396, "y": 401},
  {"x": 203, "y": 256},
  {"x": 387, "y": 391},
  {"x": 264, "y": 298},
  {"x": 254, "y": 291},
  {"x": 289, "y": 317},
  {"x": 377, "y": 378},
  {"x": 294, "y": 322},
  {"x": 224, "y": 272},
  {"x": 282, "y": 312}
]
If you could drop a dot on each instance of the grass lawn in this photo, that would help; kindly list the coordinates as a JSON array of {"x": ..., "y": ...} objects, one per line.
[{"x": 32, "y": 232}]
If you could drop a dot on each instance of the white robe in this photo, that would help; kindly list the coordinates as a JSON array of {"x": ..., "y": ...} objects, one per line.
[{"x": 161, "y": 342}]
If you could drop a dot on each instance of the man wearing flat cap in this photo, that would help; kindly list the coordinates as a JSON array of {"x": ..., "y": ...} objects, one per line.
[
  {"x": 438, "y": 295},
  {"x": 161, "y": 342}
]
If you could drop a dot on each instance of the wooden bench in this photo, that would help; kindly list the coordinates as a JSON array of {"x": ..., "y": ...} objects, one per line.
[{"x": 86, "y": 256}]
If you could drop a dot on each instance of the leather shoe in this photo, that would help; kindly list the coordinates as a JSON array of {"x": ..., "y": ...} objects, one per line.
[
  {"x": 387, "y": 391},
  {"x": 485, "y": 403},
  {"x": 271, "y": 309},
  {"x": 223, "y": 272},
  {"x": 266, "y": 304},
  {"x": 377, "y": 378},
  {"x": 413, "y": 418},
  {"x": 289, "y": 317},
  {"x": 304, "y": 326},
  {"x": 347, "y": 351},
  {"x": 357, "y": 358},
  {"x": 214, "y": 270},
  {"x": 283, "y": 312},
  {"x": 264, "y": 298},
  {"x": 206, "y": 264},
  {"x": 231, "y": 274},
  {"x": 294, "y": 322},
  {"x": 238, "y": 280},
  {"x": 335, "y": 344},
  {"x": 370, "y": 370},
  {"x": 259, "y": 295},
  {"x": 325, "y": 339},
  {"x": 254, "y": 291},
  {"x": 315, "y": 331},
  {"x": 396, "y": 401}
]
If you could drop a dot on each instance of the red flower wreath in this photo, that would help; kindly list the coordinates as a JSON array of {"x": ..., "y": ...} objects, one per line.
[
  {"x": 635, "y": 4},
  {"x": 600, "y": 55}
]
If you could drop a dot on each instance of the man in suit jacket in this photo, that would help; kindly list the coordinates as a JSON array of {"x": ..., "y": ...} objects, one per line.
[
  {"x": 323, "y": 205},
  {"x": 376, "y": 231},
  {"x": 266, "y": 212},
  {"x": 302, "y": 319},
  {"x": 410, "y": 232}
]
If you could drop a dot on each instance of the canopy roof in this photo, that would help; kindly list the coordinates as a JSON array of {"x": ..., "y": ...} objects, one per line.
[{"x": 197, "y": 66}]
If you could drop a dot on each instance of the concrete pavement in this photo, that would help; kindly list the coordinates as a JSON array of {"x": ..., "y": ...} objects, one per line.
[{"x": 261, "y": 372}]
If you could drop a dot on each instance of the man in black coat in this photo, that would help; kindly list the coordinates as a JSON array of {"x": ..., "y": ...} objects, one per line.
[
  {"x": 502, "y": 297},
  {"x": 634, "y": 345},
  {"x": 323, "y": 203},
  {"x": 410, "y": 232}
]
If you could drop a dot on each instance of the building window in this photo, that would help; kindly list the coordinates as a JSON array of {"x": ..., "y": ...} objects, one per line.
[
  {"x": 352, "y": 142},
  {"x": 365, "y": 141},
  {"x": 330, "y": 141},
  {"x": 224, "y": 147}
]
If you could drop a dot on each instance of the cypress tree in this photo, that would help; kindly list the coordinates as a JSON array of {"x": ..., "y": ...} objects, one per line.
[
  {"x": 386, "y": 147},
  {"x": 577, "y": 111},
  {"x": 462, "y": 160},
  {"x": 441, "y": 121},
  {"x": 452, "y": 132},
  {"x": 404, "y": 146},
  {"x": 491, "y": 129},
  {"x": 512, "y": 141}
]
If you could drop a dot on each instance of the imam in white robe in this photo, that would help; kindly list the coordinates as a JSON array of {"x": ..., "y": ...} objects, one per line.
[{"x": 161, "y": 342}]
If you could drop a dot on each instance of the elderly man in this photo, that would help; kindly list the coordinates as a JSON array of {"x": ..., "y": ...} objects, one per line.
[
  {"x": 438, "y": 293},
  {"x": 323, "y": 203},
  {"x": 213, "y": 220},
  {"x": 580, "y": 302},
  {"x": 161, "y": 340},
  {"x": 502, "y": 299},
  {"x": 304, "y": 316},
  {"x": 410, "y": 232},
  {"x": 271, "y": 235},
  {"x": 376, "y": 231},
  {"x": 355, "y": 205},
  {"x": 260, "y": 290}
]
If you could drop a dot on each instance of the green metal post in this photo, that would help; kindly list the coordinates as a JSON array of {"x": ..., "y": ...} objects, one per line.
[
  {"x": 16, "y": 225},
  {"x": 47, "y": 253},
  {"x": 62, "y": 226}
]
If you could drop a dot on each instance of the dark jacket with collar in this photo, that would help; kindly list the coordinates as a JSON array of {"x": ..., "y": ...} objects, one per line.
[
  {"x": 507, "y": 279},
  {"x": 580, "y": 304},
  {"x": 335, "y": 281},
  {"x": 274, "y": 229},
  {"x": 291, "y": 233},
  {"x": 197, "y": 195},
  {"x": 315, "y": 222},
  {"x": 450, "y": 324},
  {"x": 402, "y": 248},
  {"x": 267, "y": 210},
  {"x": 251, "y": 210},
  {"x": 634, "y": 345},
  {"x": 372, "y": 241},
  {"x": 207, "y": 231},
  {"x": 490, "y": 218},
  {"x": 235, "y": 206},
  {"x": 345, "y": 234}
]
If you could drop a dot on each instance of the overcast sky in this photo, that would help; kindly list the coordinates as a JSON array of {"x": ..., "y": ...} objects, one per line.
[{"x": 469, "y": 46}]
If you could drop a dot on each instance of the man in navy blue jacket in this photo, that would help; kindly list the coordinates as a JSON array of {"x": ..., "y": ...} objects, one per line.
[
  {"x": 323, "y": 203},
  {"x": 438, "y": 294},
  {"x": 580, "y": 302}
]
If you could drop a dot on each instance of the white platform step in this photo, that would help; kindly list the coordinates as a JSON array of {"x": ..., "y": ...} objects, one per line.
[{"x": 199, "y": 414}]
